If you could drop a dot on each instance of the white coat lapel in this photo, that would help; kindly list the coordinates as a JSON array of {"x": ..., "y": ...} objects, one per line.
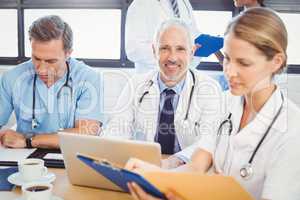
[
  {"x": 183, "y": 102},
  {"x": 147, "y": 113},
  {"x": 166, "y": 12},
  {"x": 182, "y": 132},
  {"x": 251, "y": 134},
  {"x": 153, "y": 117},
  {"x": 236, "y": 108}
]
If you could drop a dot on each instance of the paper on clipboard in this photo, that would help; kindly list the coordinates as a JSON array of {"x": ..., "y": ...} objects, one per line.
[
  {"x": 14, "y": 155},
  {"x": 54, "y": 156},
  {"x": 119, "y": 176},
  {"x": 189, "y": 186}
]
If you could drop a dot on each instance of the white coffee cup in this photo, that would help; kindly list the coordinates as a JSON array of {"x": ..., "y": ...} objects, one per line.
[
  {"x": 37, "y": 191},
  {"x": 32, "y": 169}
]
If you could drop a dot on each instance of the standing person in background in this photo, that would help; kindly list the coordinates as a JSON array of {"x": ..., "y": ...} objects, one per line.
[
  {"x": 248, "y": 3},
  {"x": 142, "y": 20}
]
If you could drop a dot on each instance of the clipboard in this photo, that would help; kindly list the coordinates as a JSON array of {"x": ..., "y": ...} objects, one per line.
[
  {"x": 187, "y": 185},
  {"x": 209, "y": 45},
  {"x": 120, "y": 176}
]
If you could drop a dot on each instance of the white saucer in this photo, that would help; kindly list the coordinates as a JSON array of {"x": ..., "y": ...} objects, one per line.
[
  {"x": 52, "y": 198},
  {"x": 17, "y": 180}
]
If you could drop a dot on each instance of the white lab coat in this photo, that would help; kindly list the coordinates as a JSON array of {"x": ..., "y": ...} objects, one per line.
[
  {"x": 142, "y": 20},
  {"x": 135, "y": 120},
  {"x": 276, "y": 165}
]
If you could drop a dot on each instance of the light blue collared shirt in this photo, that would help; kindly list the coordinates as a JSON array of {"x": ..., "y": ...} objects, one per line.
[
  {"x": 177, "y": 89},
  {"x": 53, "y": 111}
]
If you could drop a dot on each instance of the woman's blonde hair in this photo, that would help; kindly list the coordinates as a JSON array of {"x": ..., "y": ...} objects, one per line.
[{"x": 264, "y": 29}]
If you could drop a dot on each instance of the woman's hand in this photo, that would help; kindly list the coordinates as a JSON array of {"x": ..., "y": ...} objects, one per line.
[{"x": 139, "y": 194}]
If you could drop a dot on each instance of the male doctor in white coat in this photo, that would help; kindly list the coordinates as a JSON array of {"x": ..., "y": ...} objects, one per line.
[{"x": 173, "y": 106}]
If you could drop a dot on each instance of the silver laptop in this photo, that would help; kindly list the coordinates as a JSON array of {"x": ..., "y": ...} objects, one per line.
[{"x": 115, "y": 150}]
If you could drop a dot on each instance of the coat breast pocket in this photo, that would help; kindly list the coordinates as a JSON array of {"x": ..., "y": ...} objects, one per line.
[{"x": 186, "y": 132}]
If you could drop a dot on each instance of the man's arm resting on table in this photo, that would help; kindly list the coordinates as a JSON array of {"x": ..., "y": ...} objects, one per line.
[
  {"x": 180, "y": 158},
  {"x": 201, "y": 162},
  {"x": 88, "y": 127},
  {"x": 14, "y": 139}
]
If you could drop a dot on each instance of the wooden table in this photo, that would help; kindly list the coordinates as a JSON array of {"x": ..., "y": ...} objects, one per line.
[{"x": 65, "y": 190}]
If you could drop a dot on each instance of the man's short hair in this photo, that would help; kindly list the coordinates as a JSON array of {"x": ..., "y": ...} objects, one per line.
[
  {"x": 173, "y": 23},
  {"x": 52, "y": 27}
]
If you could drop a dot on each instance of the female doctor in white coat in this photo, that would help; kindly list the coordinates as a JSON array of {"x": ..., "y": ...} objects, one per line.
[{"x": 260, "y": 146}]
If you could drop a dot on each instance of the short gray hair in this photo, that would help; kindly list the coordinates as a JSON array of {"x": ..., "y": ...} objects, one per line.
[
  {"x": 52, "y": 27},
  {"x": 173, "y": 23}
]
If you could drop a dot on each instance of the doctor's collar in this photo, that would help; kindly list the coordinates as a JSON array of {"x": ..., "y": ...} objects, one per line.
[{"x": 176, "y": 88}]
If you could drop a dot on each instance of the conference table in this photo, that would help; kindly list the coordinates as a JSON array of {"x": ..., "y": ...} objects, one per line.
[{"x": 64, "y": 189}]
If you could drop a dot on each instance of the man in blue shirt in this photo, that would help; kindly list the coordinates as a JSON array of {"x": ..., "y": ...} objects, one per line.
[{"x": 50, "y": 92}]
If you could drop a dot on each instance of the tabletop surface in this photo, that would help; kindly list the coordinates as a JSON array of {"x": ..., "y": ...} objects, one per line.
[{"x": 64, "y": 189}]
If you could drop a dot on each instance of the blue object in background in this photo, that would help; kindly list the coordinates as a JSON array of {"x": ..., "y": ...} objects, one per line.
[
  {"x": 4, "y": 174},
  {"x": 209, "y": 45},
  {"x": 222, "y": 81}
]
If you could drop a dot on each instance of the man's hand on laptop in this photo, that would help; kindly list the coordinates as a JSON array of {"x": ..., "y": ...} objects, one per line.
[
  {"x": 12, "y": 139},
  {"x": 137, "y": 165}
]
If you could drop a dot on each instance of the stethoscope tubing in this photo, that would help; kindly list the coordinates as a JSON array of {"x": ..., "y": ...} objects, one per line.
[
  {"x": 248, "y": 167},
  {"x": 66, "y": 84},
  {"x": 150, "y": 83}
]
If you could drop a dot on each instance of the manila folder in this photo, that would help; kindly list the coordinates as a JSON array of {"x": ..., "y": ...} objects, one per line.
[{"x": 195, "y": 186}]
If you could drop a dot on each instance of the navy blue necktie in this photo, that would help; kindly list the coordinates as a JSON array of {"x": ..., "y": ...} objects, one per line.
[
  {"x": 166, "y": 130},
  {"x": 175, "y": 8}
]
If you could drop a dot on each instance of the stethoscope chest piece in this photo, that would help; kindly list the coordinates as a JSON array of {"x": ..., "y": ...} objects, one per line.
[
  {"x": 34, "y": 123},
  {"x": 246, "y": 171}
]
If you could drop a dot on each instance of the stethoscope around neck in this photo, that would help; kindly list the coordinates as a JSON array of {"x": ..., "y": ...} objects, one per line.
[
  {"x": 150, "y": 83},
  {"x": 246, "y": 170},
  {"x": 34, "y": 121}
]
